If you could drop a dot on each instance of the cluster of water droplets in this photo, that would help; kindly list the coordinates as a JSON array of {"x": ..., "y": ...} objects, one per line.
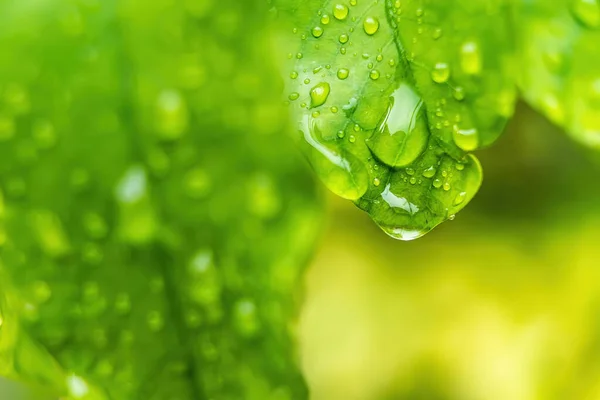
[{"x": 363, "y": 128}]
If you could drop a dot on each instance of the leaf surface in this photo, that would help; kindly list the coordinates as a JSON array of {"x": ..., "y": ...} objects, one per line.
[
  {"x": 377, "y": 124},
  {"x": 153, "y": 218}
]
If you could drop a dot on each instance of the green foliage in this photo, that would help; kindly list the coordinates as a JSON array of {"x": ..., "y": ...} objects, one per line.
[
  {"x": 153, "y": 218},
  {"x": 390, "y": 97},
  {"x": 558, "y": 71}
]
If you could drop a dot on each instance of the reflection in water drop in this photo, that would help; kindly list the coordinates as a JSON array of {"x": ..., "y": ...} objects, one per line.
[
  {"x": 398, "y": 202},
  {"x": 402, "y": 135}
]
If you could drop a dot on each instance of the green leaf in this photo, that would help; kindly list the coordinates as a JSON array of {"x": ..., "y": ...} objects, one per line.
[
  {"x": 558, "y": 63},
  {"x": 388, "y": 96},
  {"x": 153, "y": 217},
  {"x": 461, "y": 57}
]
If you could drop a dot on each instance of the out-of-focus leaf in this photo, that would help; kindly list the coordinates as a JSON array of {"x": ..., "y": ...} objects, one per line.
[
  {"x": 558, "y": 63},
  {"x": 153, "y": 219},
  {"x": 461, "y": 57},
  {"x": 388, "y": 96}
]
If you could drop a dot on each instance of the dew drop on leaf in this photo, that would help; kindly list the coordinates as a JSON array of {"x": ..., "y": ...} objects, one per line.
[
  {"x": 440, "y": 72},
  {"x": 319, "y": 94},
  {"x": 374, "y": 74},
  {"x": 466, "y": 139},
  {"x": 340, "y": 12},
  {"x": 470, "y": 58},
  {"x": 429, "y": 172},
  {"x": 402, "y": 135}
]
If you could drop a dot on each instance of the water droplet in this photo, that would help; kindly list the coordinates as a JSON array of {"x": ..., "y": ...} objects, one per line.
[
  {"x": 402, "y": 134},
  {"x": 586, "y": 12},
  {"x": 376, "y": 182},
  {"x": 466, "y": 139},
  {"x": 344, "y": 38},
  {"x": 437, "y": 183},
  {"x": 470, "y": 58},
  {"x": 460, "y": 198},
  {"x": 319, "y": 94},
  {"x": 398, "y": 203},
  {"x": 317, "y": 32},
  {"x": 374, "y": 75},
  {"x": 429, "y": 172},
  {"x": 446, "y": 186},
  {"x": 340, "y": 12},
  {"x": 294, "y": 96},
  {"x": 440, "y": 72},
  {"x": 343, "y": 174},
  {"x": 325, "y": 19},
  {"x": 459, "y": 93},
  {"x": 437, "y": 33},
  {"x": 419, "y": 12},
  {"x": 371, "y": 25}
]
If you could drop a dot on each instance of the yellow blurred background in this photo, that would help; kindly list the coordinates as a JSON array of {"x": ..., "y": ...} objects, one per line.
[{"x": 501, "y": 304}]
